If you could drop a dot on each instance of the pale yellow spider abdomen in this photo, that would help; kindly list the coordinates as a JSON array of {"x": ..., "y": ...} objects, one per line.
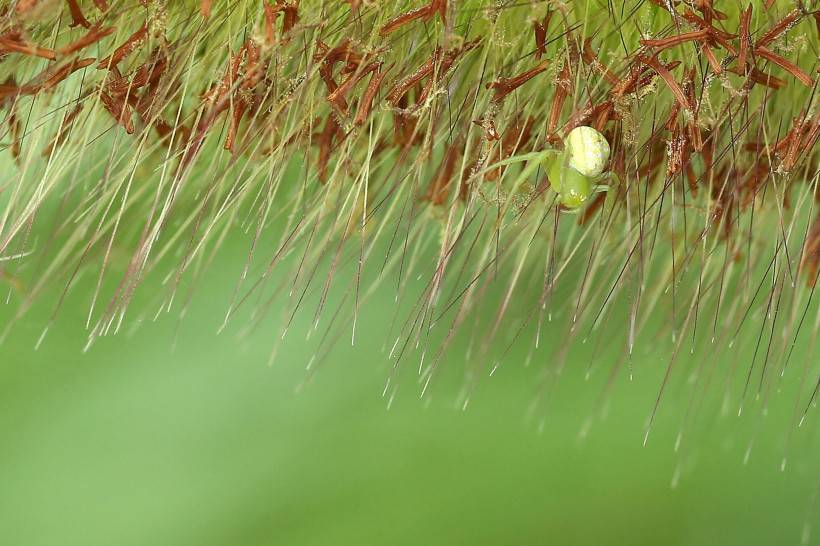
[{"x": 588, "y": 151}]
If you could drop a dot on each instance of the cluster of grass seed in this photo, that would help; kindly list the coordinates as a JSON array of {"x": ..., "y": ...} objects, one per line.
[{"x": 388, "y": 139}]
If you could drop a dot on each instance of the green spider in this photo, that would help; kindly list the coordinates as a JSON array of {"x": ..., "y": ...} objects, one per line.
[
  {"x": 574, "y": 173},
  {"x": 578, "y": 171}
]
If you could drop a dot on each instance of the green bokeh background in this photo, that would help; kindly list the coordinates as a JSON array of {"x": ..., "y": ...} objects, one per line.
[{"x": 169, "y": 434}]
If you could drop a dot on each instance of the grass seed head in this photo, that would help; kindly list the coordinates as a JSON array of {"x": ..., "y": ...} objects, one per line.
[{"x": 405, "y": 139}]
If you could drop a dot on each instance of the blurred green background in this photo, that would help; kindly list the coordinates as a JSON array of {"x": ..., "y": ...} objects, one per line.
[{"x": 172, "y": 435}]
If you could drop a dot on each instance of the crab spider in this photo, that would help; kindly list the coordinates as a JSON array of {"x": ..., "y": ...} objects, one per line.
[
  {"x": 578, "y": 171},
  {"x": 574, "y": 173}
]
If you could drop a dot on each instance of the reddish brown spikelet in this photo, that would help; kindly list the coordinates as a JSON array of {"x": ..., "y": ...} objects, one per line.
[
  {"x": 795, "y": 137},
  {"x": 711, "y": 59},
  {"x": 452, "y": 55},
  {"x": 692, "y": 125},
  {"x": 214, "y": 102},
  {"x": 162, "y": 127},
  {"x": 270, "y": 15},
  {"x": 779, "y": 28},
  {"x": 708, "y": 155},
  {"x": 562, "y": 90},
  {"x": 591, "y": 59},
  {"x": 61, "y": 73},
  {"x": 667, "y": 77},
  {"x": 702, "y": 23},
  {"x": 8, "y": 88},
  {"x": 440, "y": 7},
  {"x": 639, "y": 77},
  {"x": 248, "y": 80},
  {"x": 94, "y": 35},
  {"x": 504, "y": 86},
  {"x": 708, "y": 11},
  {"x": 664, "y": 43},
  {"x": 800, "y": 140},
  {"x": 325, "y": 140},
  {"x": 717, "y": 39},
  {"x": 254, "y": 68},
  {"x": 132, "y": 43},
  {"x": 337, "y": 97},
  {"x": 148, "y": 72},
  {"x": 517, "y": 136},
  {"x": 592, "y": 114},
  {"x": 781, "y": 145},
  {"x": 205, "y": 8},
  {"x": 626, "y": 85},
  {"x": 144, "y": 103},
  {"x": 715, "y": 34},
  {"x": 785, "y": 64},
  {"x": 400, "y": 88},
  {"x": 77, "y": 15},
  {"x": 441, "y": 69},
  {"x": 672, "y": 118},
  {"x": 400, "y": 20},
  {"x": 540, "y": 29},
  {"x": 677, "y": 152},
  {"x": 102, "y": 5},
  {"x": 745, "y": 37},
  {"x": 366, "y": 103},
  {"x": 756, "y": 75},
  {"x": 424, "y": 13},
  {"x": 344, "y": 53},
  {"x": 605, "y": 112},
  {"x": 13, "y": 42},
  {"x": 233, "y": 126},
  {"x": 290, "y": 16},
  {"x": 52, "y": 76},
  {"x": 327, "y": 58},
  {"x": 119, "y": 109}
]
